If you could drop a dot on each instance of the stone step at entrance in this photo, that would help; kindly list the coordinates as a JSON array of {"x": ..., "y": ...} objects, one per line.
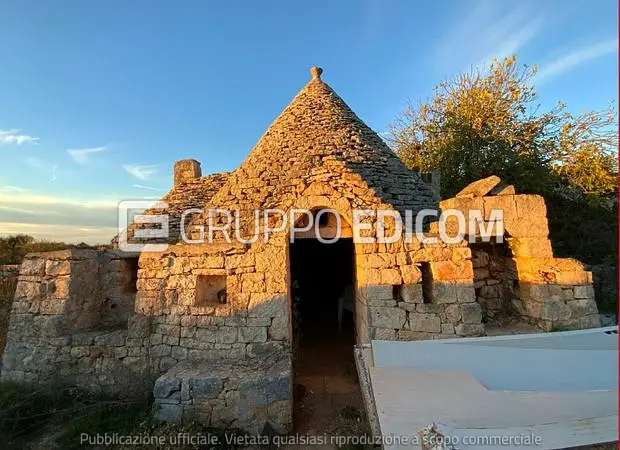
[{"x": 246, "y": 394}]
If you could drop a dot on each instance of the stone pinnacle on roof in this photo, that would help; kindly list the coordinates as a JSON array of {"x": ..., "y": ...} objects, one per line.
[{"x": 316, "y": 72}]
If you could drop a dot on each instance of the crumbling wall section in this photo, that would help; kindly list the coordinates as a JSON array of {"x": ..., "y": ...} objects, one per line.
[
  {"x": 60, "y": 328},
  {"x": 551, "y": 293}
]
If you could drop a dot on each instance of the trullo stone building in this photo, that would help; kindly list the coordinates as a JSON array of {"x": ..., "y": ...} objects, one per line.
[{"x": 211, "y": 328}]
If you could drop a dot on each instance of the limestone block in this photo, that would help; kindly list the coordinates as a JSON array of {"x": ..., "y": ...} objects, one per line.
[
  {"x": 469, "y": 329},
  {"x": 411, "y": 274},
  {"x": 59, "y": 287},
  {"x": 531, "y": 247},
  {"x": 227, "y": 335},
  {"x": 253, "y": 282},
  {"x": 32, "y": 267},
  {"x": 530, "y": 205},
  {"x": 409, "y": 335},
  {"x": 387, "y": 317},
  {"x": 444, "y": 292},
  {"x": 429, "y": 323},
  {"x": 579, "y": 277},
  {"x": 275, "y": 281},
  {"x": 505, "y": 203},
  {"x": 471, "y": 313},
  {"x": 28, "y": 289},
  {"x": 49, "y": 326},
  {"x": 279, "y": 329},
  {"x": 591, "y": 321},
  {"x": 493, "y": 291},
  {"x": 267, "y": 305},
  {"x": 465, "y": 292},
  {"x": 206, "y": 388},
  {"x": 535, "y": 291},
  {"x": 528, "y": 227},
  {"x": 377, "y": 292},
  {"x": 447, "y": 328},
  {"x": 54, "y": 268},
  {"x": 252, "y": 334},
  {"x": 265, "y": 350},
  {"x": 167, "y": 388},
  {"x": 450, "y": 270},
  {"x": 271, "y": 256},
  {"x": 583, "y": 307},
  {"x": 584, "y": 291},
  {"x": 384, "y": 334},
  {"x": 378, "y": 260},
  {"x": 429, "y": 308},
  {"x": 412, "y": 293},
  {"x": 567, "y": 293},
  {"x": 51, "y": 307},
  {"x": 479, "y": 188},
  {"x": 453, "y": 314},
  {"x": 257, "y": 321},
  {"x": 369, "y": 276},
  {"x": 555, "y": 311},
  {"x": 390, "y": 276},
  {"x": 243, "y": 260},
  {"x": 187, "y": 282}
]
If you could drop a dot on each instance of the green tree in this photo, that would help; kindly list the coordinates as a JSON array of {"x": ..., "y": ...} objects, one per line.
[
  {"x": 14, "y": 248},
  {"x": 488, "y": 122}
]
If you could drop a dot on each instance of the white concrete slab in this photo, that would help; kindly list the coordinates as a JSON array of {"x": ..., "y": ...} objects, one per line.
[
  {"x": 533, "y": 363},
  {"x": 561, "y": 387},
  {"x": 408, "y": 399}
]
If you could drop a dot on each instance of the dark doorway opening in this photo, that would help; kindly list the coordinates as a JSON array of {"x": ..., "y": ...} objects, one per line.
[
  {"x": 323, "y": 285},
  {"x": 323, "y": 280}
]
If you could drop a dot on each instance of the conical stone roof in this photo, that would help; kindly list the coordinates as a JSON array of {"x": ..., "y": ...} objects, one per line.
[{"x": 318, "y": 138}]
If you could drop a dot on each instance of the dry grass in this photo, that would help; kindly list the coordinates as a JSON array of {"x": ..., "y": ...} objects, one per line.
[{"x": 8, "y": 284}]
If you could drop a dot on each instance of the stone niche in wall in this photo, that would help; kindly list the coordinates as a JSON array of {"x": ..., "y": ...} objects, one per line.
[
  {"x": 210, "y": 290},
  {"x": 494, "y": 279}
]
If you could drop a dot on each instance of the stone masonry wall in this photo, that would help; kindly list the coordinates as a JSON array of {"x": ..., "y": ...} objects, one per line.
[
  {"x": 552, "y": 293},
  {"x": 402, "y": 305},
  {"x": 494, "y": 279},
  {"x": 253, "y": 323},
  {"x": 61, "y": 327}
]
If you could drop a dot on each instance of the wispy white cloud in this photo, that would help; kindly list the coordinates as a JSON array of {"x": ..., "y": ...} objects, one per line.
[
  {"x": 577, "y": 57},
  {"x": 84, "y": 155},
  {"x": 486, "y": 30},
  {"x": 15, "y": 136},
  {"x": 142, "y": 186},
  {"x": 142, "y": 171}
]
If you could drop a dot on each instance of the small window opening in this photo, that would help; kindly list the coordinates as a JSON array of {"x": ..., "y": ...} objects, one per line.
[
  {"x": 397, "y": 292},
  {"x": 129, "y": 275},
  {"x": 427, "y": 282},
  {"x": 210, "y": 290}
]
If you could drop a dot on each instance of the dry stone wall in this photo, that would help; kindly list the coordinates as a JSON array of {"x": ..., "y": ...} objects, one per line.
[
  {"x": 72, "y": 321},
  {"x": 406, "y": 302},
  {"x": 552, "y": 293},
  {"x": 494, "y": 280}
]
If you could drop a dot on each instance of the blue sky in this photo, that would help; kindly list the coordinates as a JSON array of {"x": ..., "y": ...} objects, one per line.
[{"x": 98, "y": 99}]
